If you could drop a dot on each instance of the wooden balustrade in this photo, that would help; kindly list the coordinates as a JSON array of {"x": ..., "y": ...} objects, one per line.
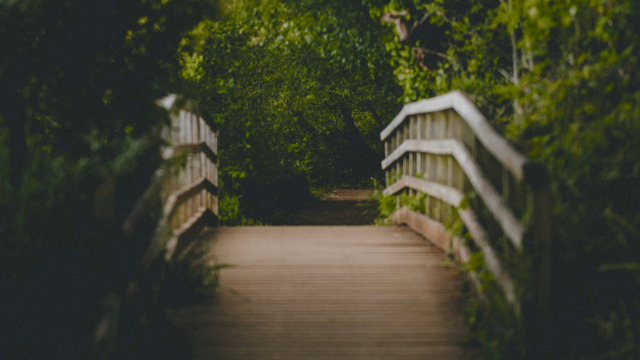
[
  {"x": 190, "y": 195},
  {"x": 186, "y": 188},
  {"x": 444, "y": 148},
  {"x": 188, "y": 192}
]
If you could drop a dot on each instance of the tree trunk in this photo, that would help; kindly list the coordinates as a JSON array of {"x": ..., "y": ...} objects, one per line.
[{"x": 345, "y": 111}]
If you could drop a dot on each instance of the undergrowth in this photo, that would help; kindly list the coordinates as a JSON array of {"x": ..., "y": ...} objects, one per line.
[
  {"x": 199, "y": 269},
  {"x": 386, "y": 204},
  {"x": 231, "y": 215}
]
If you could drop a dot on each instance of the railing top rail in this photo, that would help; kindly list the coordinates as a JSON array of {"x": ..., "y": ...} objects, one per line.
[
  {"x": 168, "y": 101},
  {"x": 497, "y": 145},
  {"x": 181, "y": 103}
]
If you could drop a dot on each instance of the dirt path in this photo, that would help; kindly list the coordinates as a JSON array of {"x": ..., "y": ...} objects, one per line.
[{"x": 339, "y": 207}]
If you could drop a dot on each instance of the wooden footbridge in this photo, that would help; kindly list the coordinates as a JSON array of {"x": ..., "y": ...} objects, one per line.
[{"x": 367, "y": 292}]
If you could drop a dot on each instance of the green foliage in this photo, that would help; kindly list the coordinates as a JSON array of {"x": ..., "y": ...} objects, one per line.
[
  {"x": 414, "y": 202},
  {"x": 497, "y": 333},
  {"x": 294, "y": 87},
  {"x": 78, "y": 118},
  {"x": 386, "y": 204},
  {"x": 561, "y": 80},
  {"x": 586, "y": 128},
  {"x": 231, "y": 215},
  {"x": 78, "y": 146},
  {"x": 199, "y": 269}
]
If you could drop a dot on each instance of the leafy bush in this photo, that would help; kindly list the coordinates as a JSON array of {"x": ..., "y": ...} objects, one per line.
[
  {"x": 386, "y": 203},
  {"x": 230, "y": 214}
]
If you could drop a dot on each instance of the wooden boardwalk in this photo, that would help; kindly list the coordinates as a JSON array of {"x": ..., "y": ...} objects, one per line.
[{"x": 328, "y": 292}]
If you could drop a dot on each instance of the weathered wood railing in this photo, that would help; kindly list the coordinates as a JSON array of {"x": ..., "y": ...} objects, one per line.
[
  {"x": 190, "y": 196},
  {"x": 188, "y": 192},
  {"x": 443, "y": 147},
  {"x": 181, "y": 199}
]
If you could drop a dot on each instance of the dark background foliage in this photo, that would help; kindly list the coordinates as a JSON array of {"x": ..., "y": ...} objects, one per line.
[{"x": 78, "y": 145}]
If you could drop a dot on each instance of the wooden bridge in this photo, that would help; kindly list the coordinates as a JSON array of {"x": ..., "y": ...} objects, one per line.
[
  {"x": 366, "y": 292},
  {"x": 328, "y": 292}
]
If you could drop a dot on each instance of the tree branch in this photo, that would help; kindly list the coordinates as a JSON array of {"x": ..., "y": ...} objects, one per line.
[{"x": 409, "y": 37}]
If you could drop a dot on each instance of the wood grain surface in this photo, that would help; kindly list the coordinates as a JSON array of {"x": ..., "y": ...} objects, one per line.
[{"x": 327, "y": 292}]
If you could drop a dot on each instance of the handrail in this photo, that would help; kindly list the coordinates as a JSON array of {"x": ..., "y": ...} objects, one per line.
[
  {"x": 189, "y": 194},
  {"x": 197, "y": 147},
  {"x": 511, "y": 226},
  {"x": 450, "y": 195},
  {"x": 459, "y": 102},
  {"x": 445, "y": 148}
]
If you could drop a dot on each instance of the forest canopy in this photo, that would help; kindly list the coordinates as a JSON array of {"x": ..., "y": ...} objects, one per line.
[{"x": 295, "y": 87}]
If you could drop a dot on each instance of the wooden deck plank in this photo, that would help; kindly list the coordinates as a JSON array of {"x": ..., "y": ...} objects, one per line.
[{"x": 328, "y": 292}]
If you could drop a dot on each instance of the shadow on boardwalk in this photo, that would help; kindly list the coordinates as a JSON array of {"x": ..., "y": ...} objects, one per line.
[{"x": 339, "y": 207}]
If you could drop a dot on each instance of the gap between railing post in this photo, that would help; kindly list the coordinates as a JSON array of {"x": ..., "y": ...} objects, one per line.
[{"x": 537, "y": 321}]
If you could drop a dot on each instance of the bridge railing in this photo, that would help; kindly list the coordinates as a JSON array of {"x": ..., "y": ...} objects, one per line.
[
  {"x": 181, "y": 199},
  {"x": 190, "y": 195},
  {"x": 444, "y": 148},
  {"x": 188, "y": 190}
]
